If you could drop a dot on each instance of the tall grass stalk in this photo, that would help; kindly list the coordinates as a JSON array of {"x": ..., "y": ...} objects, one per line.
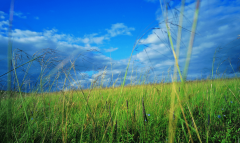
[{"x": 171, "y": 133}]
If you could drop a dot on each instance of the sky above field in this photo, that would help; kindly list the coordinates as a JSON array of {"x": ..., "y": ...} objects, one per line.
[{"x": 98, "y": 37}]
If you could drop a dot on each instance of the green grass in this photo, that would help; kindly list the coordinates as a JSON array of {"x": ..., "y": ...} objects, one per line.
[
  {"x": 196, "y": 111},
  {"x": 66, "y": 118}
]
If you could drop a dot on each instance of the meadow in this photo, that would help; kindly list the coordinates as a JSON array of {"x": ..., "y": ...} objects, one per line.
[
  {"x": 210, "y": 111},
  {"x": 203, "y": 110}
]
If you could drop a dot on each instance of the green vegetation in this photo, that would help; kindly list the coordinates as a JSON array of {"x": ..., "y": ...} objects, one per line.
[
  {"x": 197, "y": 111},
  {"x": 68, "y": 117}
]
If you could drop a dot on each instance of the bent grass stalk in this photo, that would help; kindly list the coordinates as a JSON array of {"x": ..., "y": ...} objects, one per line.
[{"x": 23, "y": 103}]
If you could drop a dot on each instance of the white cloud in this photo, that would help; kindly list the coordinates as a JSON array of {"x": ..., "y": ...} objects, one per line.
[
  {"x": 91, "y": 40},
  {"x": 98, "y": 40},
  {"x": 167, "y": 63},
  {"x": 49, "y": 33},
  {"x": 17, "y": 33},
  {"x": 3, "y": 23},
  {"x": 84, "y": 40},
  {"x": 52, "y": 34},
  {"x": 111, "y": 49},
  {"x": 3, "y": 27},
  {"x": 116, "y": 29},
  {"x": 19, "y": 14},
  {"x": 119, "y": 29},
  {"x": 153, "y": 38},
  {"x": 211, "y": 26},
  {"x": 2, "y": 15}
]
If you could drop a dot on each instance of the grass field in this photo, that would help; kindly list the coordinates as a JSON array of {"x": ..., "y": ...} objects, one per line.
[
  {"x": 184, "y": 111},
  {"x": 211, "y": 110}
]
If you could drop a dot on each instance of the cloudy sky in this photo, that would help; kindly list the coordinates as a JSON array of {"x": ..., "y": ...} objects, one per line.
[{"x": 99, "y": 36}]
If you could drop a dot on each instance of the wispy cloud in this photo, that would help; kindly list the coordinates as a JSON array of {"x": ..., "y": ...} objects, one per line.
[
  {"x": 116, "y": 29},
  {"x": 120, "y": 29},
  {"x": 91, "y": 39},
  {"x": 110, "y": 49},
  {"x": 19, "y": 14}
]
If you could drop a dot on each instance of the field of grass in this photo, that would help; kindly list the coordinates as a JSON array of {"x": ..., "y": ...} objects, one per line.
[
  {"x": 196, "y": 111},
  {"x": 211, "y": 111}
]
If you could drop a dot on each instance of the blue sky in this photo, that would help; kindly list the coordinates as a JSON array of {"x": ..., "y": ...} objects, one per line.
[{"x": 110, "y": 27}]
